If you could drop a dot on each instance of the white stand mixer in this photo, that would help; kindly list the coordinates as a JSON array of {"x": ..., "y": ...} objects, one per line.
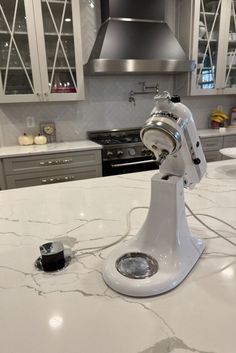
[{"x": 163, "y": 252}]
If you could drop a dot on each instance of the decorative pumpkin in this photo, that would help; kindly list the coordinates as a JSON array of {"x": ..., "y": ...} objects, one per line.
[
  {"x": 40, "y": 140},
  {"x": 26, "y": 140}
]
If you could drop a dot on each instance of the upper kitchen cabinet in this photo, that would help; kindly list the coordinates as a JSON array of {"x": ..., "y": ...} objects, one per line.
[
  {"x": 40, "y": 51},
  {"x": 209, "y": 37}
]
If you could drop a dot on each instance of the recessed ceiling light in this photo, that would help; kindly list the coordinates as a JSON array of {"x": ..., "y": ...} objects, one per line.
[{"x": 67, "y": 19}]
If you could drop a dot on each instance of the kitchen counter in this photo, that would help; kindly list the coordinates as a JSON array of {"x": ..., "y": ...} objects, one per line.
[
  {"x": 73, "y": 310},
  {"x": 216, "y": 132},
  {"x": 229, "y": 152},
  {"x": 71, "y": 146},
  {"x": 56, "y": 147}
]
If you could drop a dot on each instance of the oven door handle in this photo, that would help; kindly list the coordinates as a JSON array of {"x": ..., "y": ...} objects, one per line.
[{"x": 133, "y": 163}]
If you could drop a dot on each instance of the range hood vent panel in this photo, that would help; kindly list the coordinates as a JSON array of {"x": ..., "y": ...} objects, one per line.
[
  {"x": 136, "y": 40},
  {"x": 136, "y": 46}
]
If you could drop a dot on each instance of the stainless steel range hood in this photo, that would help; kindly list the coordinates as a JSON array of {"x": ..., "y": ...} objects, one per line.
[{"x": 134, "y": 39}]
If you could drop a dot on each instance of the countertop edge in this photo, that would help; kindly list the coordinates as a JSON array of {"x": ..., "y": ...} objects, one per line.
[
  {"x": 204, "y": 133},
  {"x": 83, "y": 145},
  {"x": 52, "y": 148}
]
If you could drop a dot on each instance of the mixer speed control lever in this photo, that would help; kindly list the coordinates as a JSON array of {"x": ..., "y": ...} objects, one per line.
[{"x": 196, "y": 161}]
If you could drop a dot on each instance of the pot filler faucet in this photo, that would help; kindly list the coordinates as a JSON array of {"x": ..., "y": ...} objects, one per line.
[{"x": 163, "y": 252}]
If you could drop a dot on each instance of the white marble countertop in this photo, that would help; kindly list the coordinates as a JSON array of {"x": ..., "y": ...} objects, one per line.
[
  {"x": 229, "y": 152},
  {"x": 56, "y": 147},
  {"x": 216, "y": 132},
  {"x": 73, "y": 310},
  {"x": 71, "y": 146}
]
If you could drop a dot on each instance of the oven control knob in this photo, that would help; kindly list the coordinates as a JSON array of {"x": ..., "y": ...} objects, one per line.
[
  {"x": 109, "y": 155},
  {"x": 119, "y": 153},
  {"x": 131, "y": 151},
  {"x": 144, "y": 151}
]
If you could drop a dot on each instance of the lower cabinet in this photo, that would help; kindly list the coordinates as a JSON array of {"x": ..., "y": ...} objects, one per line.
[
  {"x": 2, "y": 179},
  {"x": 212, "y": 145},
  {"x": 54, "y": 168}
]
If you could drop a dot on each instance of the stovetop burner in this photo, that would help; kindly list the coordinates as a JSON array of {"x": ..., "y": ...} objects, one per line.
[
  {"x": 122, "y": 144},
  {"x": 115, "y": 140},
  {"x": 115, "y": 137}
]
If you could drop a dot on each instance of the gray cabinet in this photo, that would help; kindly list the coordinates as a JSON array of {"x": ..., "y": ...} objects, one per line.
[
  {"x": 2, "y": 179},
  {"x": 229, "y": 141},
  {"x": 53, "y": 168},
  {"x": 212, "y": 145}
]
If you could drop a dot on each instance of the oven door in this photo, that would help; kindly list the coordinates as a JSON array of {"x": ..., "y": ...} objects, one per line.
[{"x": 129, "y": 166}]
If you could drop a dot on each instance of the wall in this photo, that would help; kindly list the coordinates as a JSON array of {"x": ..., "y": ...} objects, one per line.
[{"x": 106, "y": 105}]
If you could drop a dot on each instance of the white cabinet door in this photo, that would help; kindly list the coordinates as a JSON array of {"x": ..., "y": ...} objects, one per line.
[
  {"x": 209, "y": 17},
  {"x": 19, "y": 74},
  {"x": 229, "y": 65},
  {"x": 40, "y": 51},
  {"x": 59, "y": 46},
  {"x": 210, "y": 40}
]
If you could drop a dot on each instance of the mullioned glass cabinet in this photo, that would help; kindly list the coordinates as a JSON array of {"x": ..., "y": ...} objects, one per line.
[
  {"x": 40, "y": 51},
  {"x": 207, "y": 31}
]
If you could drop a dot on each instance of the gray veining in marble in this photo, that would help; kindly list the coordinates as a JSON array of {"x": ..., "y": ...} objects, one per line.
[{"x": 74, "y": 307}]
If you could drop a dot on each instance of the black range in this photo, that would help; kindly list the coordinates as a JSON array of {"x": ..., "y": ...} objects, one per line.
[{"x": 123, "y": 151}]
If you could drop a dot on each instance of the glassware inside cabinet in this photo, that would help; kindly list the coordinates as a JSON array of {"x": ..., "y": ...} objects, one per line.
[
  {"x": 3, "y": 27},
  {"x": 230, "y": 80},
  {"x": 15, "y": 62},
  {"x": 59, "y": 45},
  {"x": 63, "y": 82},
  {"x": 208, "y": 43}
]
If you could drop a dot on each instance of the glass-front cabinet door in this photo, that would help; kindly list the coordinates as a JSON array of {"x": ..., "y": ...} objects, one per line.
[
  {"x": 59, "y": 43},
  {"x": 40, "y": 51},
  {"x": 206, "y": 46},
  {"x": 19, "y": 75},
  {"x": 229, "y": 78}
]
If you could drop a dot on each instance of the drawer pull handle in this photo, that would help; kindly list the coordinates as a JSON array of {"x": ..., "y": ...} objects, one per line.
[
  {"x": 56, "y": 161},
  {"x": 57, "y": 179}
]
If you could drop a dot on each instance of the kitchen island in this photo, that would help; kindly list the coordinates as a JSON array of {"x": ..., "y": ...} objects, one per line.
[{"x": 73, "y": 311}]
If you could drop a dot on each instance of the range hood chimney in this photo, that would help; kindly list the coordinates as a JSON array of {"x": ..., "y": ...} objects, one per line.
[{"x": 135, "y": 39}]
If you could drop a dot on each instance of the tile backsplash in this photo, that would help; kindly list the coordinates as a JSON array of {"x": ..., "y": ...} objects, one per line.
[{"x": 106, "y": 105}]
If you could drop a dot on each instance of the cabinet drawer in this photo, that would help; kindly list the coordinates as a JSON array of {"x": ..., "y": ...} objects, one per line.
[
  {"x": 212, "y": 143},
  {"x": 44, "y": 178},
  {"x": 18, "y": 165},
  {"x": 229, "y": 141},
  {"x": 212, "y": 156}
]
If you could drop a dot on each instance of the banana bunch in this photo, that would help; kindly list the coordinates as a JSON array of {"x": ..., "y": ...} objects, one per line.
[{"x": 218, "y": 116}]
